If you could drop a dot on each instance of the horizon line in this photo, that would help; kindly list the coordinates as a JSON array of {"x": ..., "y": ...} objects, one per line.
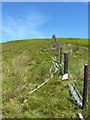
[{"x": 39, "y": 39}]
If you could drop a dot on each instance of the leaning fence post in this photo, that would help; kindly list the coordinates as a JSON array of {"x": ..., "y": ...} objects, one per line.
[
  {"x": 54, "y": 37},
  {"x": 56, "y": 42},
  {"x": 65, "y": 63},
  {"x": 85, "y": 86}
]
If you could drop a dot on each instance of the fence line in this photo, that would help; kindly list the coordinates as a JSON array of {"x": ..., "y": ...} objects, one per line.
[
  {"x": 65, "y": 76},
  {"x": 81, "y": 101}
]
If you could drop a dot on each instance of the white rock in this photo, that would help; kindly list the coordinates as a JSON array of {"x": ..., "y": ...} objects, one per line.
[{"x": 65, "y": 76}]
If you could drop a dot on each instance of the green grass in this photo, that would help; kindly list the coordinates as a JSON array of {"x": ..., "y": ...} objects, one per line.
[{"x": 26, "y": 64}]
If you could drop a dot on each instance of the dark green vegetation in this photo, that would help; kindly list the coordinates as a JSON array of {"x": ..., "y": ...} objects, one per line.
[{"x": 26, "y": 64}]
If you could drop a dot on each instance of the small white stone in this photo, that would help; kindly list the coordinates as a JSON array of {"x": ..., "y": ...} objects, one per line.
[{"x": 65, "y": 77}]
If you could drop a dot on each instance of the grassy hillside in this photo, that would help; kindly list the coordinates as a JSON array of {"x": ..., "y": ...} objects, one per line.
[{"x": 26, "y": 64}]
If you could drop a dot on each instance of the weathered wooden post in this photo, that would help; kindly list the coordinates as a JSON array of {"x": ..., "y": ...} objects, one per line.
[
  {"x": 56, "y": 42},
  {"x": 85, "y": 86},
  {"x": 60, "y": 54},
  {"x": 65, "y": 63},
  {"x": 54, "y": 37}
]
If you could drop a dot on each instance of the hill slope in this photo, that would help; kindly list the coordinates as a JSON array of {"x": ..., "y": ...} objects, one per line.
[{"x": 26, "y": 64}]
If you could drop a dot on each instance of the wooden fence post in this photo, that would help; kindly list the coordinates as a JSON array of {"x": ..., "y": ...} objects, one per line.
[
  {"x": 60, "y": 55},
  {"x": 65, "y": 63},
  {"x": 54, "y": 37},
  {"x": 85, "y": 86},
  {"x": 56, "y": 42}
]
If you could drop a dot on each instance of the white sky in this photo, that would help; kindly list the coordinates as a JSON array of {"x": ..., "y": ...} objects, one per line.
[{"x": 44, "y": 0}]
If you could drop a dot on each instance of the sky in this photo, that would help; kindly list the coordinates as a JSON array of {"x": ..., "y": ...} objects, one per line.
[{"x": 29, "y": 20}]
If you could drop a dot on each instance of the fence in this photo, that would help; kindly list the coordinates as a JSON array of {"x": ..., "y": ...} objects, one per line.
[{"x": 81, "y": 100}]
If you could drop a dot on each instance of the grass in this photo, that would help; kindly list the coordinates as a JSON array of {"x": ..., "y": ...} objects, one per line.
[{"x": 26, "y": 64}]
